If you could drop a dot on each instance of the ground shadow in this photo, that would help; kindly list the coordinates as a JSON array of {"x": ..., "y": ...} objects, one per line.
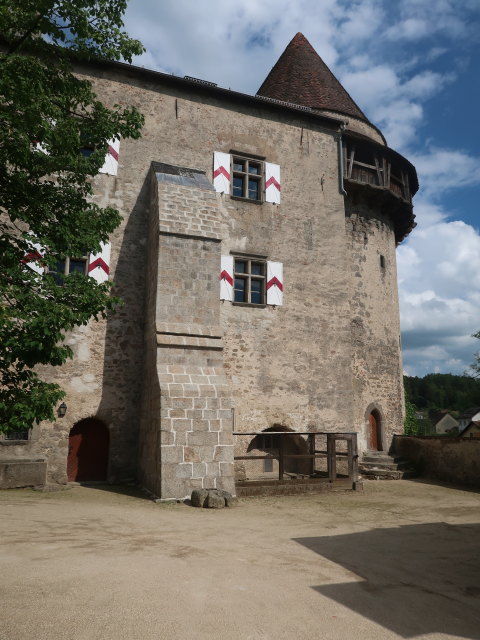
[
  {"x": 444, "y": 483},
  {"x": 413, "y": 579},
  {"x": 132, "y": 491},
  {"x": 123, "y": 358}
]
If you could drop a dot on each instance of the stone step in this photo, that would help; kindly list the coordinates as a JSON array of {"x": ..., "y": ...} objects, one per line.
[
  {"x": 394, "y": 466},
  {"x": 380, "y": 466},
  {"x": 381, "y": 457},
  {"x": 387, "y": 474}
]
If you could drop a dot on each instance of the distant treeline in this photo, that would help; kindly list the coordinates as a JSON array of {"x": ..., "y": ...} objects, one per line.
[{"x": 443, "y": 391}]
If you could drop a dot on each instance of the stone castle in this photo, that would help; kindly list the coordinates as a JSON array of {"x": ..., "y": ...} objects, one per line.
[{"x": 256, "y": 262}]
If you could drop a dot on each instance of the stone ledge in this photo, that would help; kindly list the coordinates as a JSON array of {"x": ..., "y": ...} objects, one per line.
[
  {"x": 189, "y": 330},
  {"x": 189, "y": 342},
  {"x": 170, "y": 228}
]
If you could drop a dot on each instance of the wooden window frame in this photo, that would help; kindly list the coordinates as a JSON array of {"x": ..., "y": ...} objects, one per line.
[
  {"x": 66, "y": 268},
  {"x": 247, "y": 276},
  {"x": 22, "y": 435},
  {"x": 246, "y": 175}
]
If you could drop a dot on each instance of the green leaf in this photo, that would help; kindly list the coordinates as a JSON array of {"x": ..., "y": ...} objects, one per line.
[{"x": 46, "y": 114}]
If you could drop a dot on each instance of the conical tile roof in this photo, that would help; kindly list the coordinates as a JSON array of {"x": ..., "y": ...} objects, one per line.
[{"x": 300, "y": 76}]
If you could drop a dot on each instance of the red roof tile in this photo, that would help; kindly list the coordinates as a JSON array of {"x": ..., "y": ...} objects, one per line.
[{"x": 300, "y": 76}]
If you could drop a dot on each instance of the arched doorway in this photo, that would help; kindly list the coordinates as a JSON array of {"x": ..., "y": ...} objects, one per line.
[
  {"x": 269, "y": 442},
  {"x": 88, "y": 445},
  {"x": 375, "y": 431}
]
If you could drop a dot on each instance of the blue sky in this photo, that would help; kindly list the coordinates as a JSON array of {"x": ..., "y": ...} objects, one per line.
[{"x": 413, "y": 67}]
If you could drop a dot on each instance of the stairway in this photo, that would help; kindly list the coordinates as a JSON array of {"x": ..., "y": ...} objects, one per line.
[{"x": 378, "y": 465}]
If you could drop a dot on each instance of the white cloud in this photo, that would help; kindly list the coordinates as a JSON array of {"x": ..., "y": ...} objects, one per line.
[
  {"x": 409, "y": 29},
  {"x": 420, "y": 19},
  {"x": 441, "y": 170},
  {"x": 439, "y": 290}
]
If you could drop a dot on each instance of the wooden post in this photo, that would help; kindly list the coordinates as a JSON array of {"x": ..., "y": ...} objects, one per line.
[
  {"x": 350, "y": 163},
  {"x": 350, "y": 458},
  {"x": 355, "y": 457},
  {"x": 311, "y": 448},
  {"x": 379, "y": 173},
  {"x": 331, "y": 457},
  {"x": 280, "y": 457}
]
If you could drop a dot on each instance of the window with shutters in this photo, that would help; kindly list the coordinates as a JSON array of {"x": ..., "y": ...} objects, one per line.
[
  {"x": 249, "y": 280},
  {"x": 247, "y": 178}
]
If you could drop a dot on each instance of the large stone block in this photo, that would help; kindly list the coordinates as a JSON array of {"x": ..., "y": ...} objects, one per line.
[
  {"x": 202, "y": 438},
  {"x": 22, "y": 473}
]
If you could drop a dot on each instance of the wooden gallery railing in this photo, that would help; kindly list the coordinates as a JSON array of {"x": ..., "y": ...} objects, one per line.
[
  {"x": 331, "y": 453},
  {"x": 378, "y": 171}
]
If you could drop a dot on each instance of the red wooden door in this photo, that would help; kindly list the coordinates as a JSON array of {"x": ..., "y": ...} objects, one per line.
[
  {"x": 88, "y": 451},
  {"x": 373, "y": 432}
]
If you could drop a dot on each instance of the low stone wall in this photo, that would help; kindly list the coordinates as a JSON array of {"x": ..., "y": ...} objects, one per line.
[
  {"x": 22, "y": 473},
  {"x": 455, "y": 460}
]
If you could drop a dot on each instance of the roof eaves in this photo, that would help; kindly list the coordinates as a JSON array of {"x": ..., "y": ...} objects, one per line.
[{"x": 211, "y": 89}]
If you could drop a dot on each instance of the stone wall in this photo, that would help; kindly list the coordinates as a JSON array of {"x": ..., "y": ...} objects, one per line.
[
  {"x": 374, "y": 321},
  {"x": 455, "y": 460}
]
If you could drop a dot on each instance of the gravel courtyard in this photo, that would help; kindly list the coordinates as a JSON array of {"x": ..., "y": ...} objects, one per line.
[{"x": 399, "y": 560}]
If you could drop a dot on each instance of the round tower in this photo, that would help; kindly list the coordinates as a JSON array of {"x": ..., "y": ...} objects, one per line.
[{"x": 378, "y": 185}]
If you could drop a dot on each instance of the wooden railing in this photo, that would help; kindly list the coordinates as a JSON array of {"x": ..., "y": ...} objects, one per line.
[
  {"x": 320, "y": 445},
  {"x": 382, "y": 173}
]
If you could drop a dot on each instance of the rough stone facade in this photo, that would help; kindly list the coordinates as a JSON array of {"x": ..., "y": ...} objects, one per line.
[{"x": 175, "y": 369}]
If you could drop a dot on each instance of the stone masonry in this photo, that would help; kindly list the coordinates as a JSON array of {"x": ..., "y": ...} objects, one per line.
[
  {"x": 175, "y": 371},
  {"x": 196, "y": 444}
]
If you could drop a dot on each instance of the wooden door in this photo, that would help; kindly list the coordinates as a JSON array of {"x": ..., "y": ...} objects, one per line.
[
  {"x": 88, "y": 451},
  {"x": 373, "y": 431}
]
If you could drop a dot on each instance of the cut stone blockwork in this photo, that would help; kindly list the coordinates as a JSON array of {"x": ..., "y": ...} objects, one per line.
[{"x": 196, "y": 443}]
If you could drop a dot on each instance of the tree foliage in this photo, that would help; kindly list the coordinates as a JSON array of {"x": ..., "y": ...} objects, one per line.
[
  {"x": 46, "y": 115},
  {"x": 443, "y": 391},
  {"x": 410, "y": 427},
  {"x": 474, "y": 368}
]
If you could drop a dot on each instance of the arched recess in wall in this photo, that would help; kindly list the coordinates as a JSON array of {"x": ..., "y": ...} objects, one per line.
[
  {"x": 88, "y": 446},
  {"x": 292, "y": 444},
  {"x": 374, "y": 421}
]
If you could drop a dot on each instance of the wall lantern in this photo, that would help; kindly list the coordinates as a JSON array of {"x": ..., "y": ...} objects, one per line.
[{"x": 62, "y": 410}]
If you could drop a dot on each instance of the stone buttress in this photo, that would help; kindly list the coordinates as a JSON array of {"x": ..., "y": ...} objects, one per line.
[{"x": 186, "y": 437}]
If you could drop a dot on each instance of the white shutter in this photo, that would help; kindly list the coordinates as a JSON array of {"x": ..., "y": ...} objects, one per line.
[
  {"x": 39, "y": 146},
  {"x": 272, "y": 183},
  {"x": 33, "y": 259},
  {"x": 99, "y": 264},
  {"x": 221, "y": 172},
  {"x": 275, "y": 283},
  {"x": 110, "y": 165},
  {"x": 226, "y": 278}
]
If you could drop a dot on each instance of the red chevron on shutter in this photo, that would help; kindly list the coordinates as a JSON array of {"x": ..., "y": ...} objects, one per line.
[
  {"x": 99, "y": 263},
  {"x": 274, "y": 282},
  {"x": 221, "y": 172},
  {"x": 271, "y": 181},
  {"x": 226, "y": 276}
]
